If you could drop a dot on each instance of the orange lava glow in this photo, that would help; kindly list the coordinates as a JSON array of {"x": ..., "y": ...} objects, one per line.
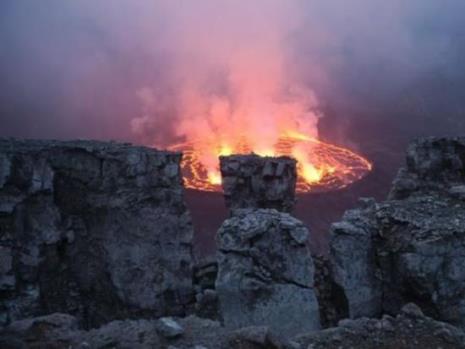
[{"x": 321, "y": 166}]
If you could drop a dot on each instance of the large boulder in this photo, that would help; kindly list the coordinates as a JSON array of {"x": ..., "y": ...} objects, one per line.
[
  {"x": 265, "y": 272},
  {"x": 98, "y": 230},
  {"x": 252, "y": 181},
  {"x": 412, "y": 246}
]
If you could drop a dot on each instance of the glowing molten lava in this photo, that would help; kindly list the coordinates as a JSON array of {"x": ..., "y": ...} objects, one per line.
[{"x": 321, "y": 166}]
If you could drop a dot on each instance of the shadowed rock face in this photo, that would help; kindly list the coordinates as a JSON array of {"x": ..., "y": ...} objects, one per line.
[
  {"x": 265, "y": 272},
  {"x": 411, "y": 247},
  {"x": 251, "y": 181},
  {"x": 98, "y": 230}
]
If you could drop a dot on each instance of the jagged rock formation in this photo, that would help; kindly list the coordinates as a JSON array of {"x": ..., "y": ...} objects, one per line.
[
  {"x": 409, "y": 329},
  {"x": 98, "y": 230},
  {"x": 411, "y": 247},
  {"x": 252, "y": 181},
  {"x": 433, "y": 165},
  {"x": 265, "y": 272}
]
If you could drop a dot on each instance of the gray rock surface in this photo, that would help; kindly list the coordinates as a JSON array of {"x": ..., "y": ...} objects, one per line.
[
  {"x": 50, "y": 331},
  {"x": 265, "y": 272},
  {"x": 412, "y": 246},
  {"x": 59, "y": 331},
  {"x": 252, "y": 181},
  {"x": 95, "y": 229},
  {"x": 255, "y": 337},
  {"x": 409, "y": 329},
  {"x": 353, "y": 259},
  {"x": 169, "y": 328},
  {"x": 433, "y": 164}
]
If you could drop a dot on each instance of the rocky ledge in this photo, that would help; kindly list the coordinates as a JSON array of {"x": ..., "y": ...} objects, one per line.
[
  {"x": 410, "y": 248},
  {"x": 97, "y": 230}
]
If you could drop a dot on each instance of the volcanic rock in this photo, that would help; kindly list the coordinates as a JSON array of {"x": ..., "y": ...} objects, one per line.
[
  {"x": 412, "y": 246},
  {"x": 205, "y": 272},
  {"x": 206, "y": 304},
  {"x": 254, "y": 337},
  {"x": 265, "y": 272},
  {"x": 433, "y": 164},
  {"x": 50, "y": 331},
  {"x": 353, "y": 258},
  {"x": 169, "y": 328},
  {"x": 59, "y": 331},
  {"x": 94, "y": 229},
  {"x": 251, "y": 181},
  {"x": 409, "y": 329},
  {"x": 331, "y": 298}
]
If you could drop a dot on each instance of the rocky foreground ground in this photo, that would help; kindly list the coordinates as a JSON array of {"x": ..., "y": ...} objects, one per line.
[{"x": 96, "y": 252}]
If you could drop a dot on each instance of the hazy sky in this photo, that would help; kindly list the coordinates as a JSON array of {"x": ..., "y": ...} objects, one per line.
[{"x": 129, "y": 70}]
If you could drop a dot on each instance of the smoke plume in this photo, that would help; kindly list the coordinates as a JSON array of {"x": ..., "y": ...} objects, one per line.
[{"x": 163, "y": 71}]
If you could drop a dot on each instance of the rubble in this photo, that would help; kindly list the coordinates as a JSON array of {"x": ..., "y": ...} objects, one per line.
[{"x": 409, "y": 329}]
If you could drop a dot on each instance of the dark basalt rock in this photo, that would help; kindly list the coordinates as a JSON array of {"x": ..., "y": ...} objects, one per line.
[
  {"x": 331, "y": 298},
  {"x": 265, "y": 273},
  {"x": 252, "y": 181},
  {"x": 409, "y": 329},
  {"x": 433, "y": 164},
  {"x": 94, "y": 229},
  {"x": 205, "y": 273},
  {"x": 412, "y": 246}
]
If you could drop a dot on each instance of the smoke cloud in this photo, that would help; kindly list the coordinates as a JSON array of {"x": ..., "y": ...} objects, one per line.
[{"x": 163, "y": 71}]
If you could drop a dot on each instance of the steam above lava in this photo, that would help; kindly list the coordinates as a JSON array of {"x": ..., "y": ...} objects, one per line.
[{"x": 235, "y": 86}]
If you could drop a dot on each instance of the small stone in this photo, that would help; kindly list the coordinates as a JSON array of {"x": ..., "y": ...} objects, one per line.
[
  {"x": 345, "y": 323},
  {"x": 412, "y": 310},
  {"x": 169, "y": 328},
  {"x": 458, "y": 192}
]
